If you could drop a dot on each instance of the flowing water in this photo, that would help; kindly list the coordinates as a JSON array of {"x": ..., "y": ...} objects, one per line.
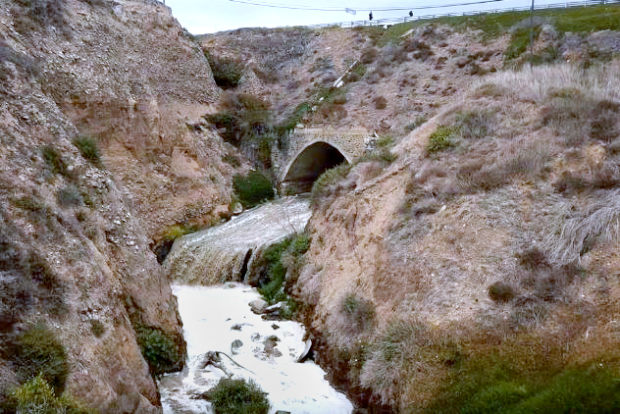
[
  {"x": 218, "y": 318},
  {"x": 222, "y": 253}
]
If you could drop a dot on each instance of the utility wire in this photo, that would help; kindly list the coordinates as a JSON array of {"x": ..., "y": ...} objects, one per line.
[{"x": 282, "y": 6}]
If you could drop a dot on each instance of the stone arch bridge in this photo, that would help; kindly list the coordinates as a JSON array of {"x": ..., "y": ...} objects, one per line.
[{"x": 310, "y": 151}]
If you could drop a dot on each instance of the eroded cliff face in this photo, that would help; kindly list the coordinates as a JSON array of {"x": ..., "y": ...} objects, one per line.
[
  {"x": 493, "y": 236},
  {"x": 77, "y": 228}
]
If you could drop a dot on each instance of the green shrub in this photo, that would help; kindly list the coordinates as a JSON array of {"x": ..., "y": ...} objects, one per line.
[
  {"x": 271, "y": 281},
  {"x": 300, "y": 244},
  {"x": 253, "y": 189},
  {"x": 89, "y": 149},
  {"x": 226, "y": 72},
  {"x": 54, "y": 160},
  {"x": 277, "y": 260},
  {"x": 38, "y": 352},
  {"x": 441, "y": 139},
  {"x": 159, "y": 350},
  {"x": 359, "y": 312},
  {"x": 37, "y": 396},
  {"x": 232, "y": 396}
]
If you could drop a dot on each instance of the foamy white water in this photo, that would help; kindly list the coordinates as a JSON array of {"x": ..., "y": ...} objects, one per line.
[
  {"x": 218, "y": 254},
  {"x": 209, "y": 314}
]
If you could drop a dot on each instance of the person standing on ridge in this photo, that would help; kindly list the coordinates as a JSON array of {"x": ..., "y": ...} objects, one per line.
[
  {"x": 410, "y": 13},
  {"x": 370, "y": 16}
]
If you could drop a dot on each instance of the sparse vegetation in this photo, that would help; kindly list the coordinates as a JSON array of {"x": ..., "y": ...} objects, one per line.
[
  {"x": 359, "y": 312},
  {"x": 236, "y": 396},
  {"x": 416, "y": 123},
  {"x": 38, "y": 352},
  {"x": 324, "y": 185},
  {"x": 29, "y": 204},
  {"x": 54, "y": 160},
  {"x": 69, "y": 196},
  {"x": 89, "y": 149},
  {"x": 253, "y": 188},
  {"x": 226, "y": 72},
  {"x": 369, "y": 55},
  {"x": 292, "y": 120},
  {"x": 159, "y": 350},
  {"x": 232, "y": 160},
  {"x": 474, "y": 124},
  {"x": 242, "y": 117}
]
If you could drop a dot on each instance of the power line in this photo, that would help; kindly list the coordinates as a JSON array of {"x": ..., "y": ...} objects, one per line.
[{"x": 383, "y": 9}]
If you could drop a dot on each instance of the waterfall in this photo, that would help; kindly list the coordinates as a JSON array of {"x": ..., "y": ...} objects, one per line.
[{"x": 224, "y": 253}]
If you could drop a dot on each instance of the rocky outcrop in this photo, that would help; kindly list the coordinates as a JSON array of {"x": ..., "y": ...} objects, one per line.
[{"x": 76, "y": 226}]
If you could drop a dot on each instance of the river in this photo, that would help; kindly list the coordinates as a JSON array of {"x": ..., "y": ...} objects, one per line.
[{"x": 218, "y": 318}]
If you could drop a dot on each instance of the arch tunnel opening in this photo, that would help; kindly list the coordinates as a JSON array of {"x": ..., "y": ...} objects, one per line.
[{"x": 313, "y": 161}]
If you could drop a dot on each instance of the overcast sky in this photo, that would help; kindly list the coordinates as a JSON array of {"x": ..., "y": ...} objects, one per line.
[{"x": 208, "y": 16}]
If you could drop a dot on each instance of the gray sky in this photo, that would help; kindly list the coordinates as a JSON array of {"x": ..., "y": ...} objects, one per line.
[{"x": 208, "y": 16}]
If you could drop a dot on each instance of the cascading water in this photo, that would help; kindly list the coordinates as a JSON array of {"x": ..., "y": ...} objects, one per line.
[
  {"x": 218, "y": 254},
  {"x": 224, "y": 337}
]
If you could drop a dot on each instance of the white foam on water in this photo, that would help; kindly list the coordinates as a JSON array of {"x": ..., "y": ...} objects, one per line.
[{"x": 208, "y": 314}]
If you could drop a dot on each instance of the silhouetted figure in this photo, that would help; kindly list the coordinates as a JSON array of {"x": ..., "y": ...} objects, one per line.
[
  {"x": 370, "y": 16},
  {"x": 410, "y": 14}
]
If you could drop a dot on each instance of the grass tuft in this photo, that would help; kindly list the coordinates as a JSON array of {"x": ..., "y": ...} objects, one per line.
[
  {"x": 89, "y": 149},
  {"x": 441, "y": 139},
  {"x": 359, "y": 312}
]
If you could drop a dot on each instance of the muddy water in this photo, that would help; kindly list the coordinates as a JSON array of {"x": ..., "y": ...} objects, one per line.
[{"x": 218, "y": 318}]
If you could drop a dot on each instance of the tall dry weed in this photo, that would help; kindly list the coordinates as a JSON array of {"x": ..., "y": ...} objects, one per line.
[{"x": 600, "y": 221}]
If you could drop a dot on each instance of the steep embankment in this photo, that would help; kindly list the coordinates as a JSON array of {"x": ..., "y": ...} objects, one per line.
[
  {"x": 97, "y": 158},
  {"x": 481, "y": 268},
  {"x": 406, "y": 72}
]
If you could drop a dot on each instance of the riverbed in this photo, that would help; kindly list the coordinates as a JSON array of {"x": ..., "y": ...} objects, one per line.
[{"x": 216, "y": 317}]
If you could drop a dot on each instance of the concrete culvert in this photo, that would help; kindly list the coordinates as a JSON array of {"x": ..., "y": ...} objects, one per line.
[{"x": 309, "y": 165}]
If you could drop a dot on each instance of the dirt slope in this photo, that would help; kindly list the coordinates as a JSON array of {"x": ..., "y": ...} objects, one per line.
[{"x": 76, "y": 269}]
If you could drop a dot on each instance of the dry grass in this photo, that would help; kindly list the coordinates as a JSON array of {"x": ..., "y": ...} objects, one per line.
[
  {"x": 600, "y": 221},
  {"x": 535, "y": 83}
]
